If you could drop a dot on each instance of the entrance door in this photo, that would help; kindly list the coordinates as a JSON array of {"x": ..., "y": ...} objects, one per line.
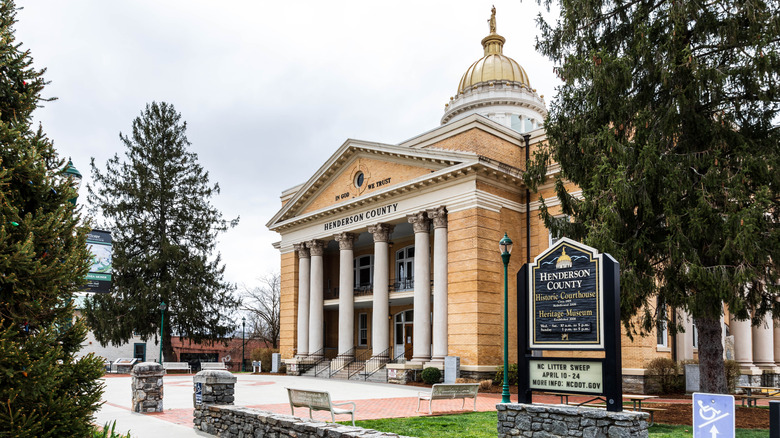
[
  {"x": 139, "y": 352},
  {"x": 403, "y": 333}
]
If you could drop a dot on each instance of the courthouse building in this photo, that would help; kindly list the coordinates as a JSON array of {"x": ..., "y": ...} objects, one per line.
[{"x": 389, "y": 252}]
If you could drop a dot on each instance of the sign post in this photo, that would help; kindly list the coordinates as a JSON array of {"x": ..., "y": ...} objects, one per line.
[
  {"x": 569, "y": 299},
  {"x": 713, "y": 415}
]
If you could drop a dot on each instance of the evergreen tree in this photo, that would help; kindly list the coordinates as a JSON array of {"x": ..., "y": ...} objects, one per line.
[
  {"x": 45, "y": 390},
  {"x": 667, "y": 121},
  {"x": 164, "y": 231}
]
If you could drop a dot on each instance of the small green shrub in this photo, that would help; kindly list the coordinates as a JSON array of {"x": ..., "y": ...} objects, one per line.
[
  {"x": 431, "y": 375},
  {"x": 264, "y": 356},
  {"x": 511, "y": 374},
  {"x": 665, "y": 372},
  {"x": 732, "y": 374}
]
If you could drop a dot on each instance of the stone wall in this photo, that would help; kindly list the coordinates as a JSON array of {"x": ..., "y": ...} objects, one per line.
[
  {"x": 214, "y": 387},
  {"x": 235, "y": 422},
  {"x": 547, "y": 421},
  {"x": 147, "y": 387}
]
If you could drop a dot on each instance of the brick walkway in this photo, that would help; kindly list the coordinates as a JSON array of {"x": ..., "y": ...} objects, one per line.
[{"x": 369, "y": 409}]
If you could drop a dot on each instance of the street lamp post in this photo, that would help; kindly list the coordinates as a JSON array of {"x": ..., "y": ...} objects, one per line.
[
  {"x": 75, "y": 177},
  {"x": 505, "y": 245},
  {"x": 162, "y": 321},
  {"x": 243, "y": 330}
]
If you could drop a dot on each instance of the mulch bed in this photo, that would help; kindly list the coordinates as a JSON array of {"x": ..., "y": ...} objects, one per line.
[{"x": 681, "y": 413}]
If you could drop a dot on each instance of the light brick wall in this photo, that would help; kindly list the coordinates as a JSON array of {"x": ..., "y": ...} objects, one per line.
[
  {"x": 288, "y": 311},
  {"x": 485, "y": 144}
]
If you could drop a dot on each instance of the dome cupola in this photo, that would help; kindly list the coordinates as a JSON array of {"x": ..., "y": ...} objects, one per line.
[{"x": 497, "y": 87}]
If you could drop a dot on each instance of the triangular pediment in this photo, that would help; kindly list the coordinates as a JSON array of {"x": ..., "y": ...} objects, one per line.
[{"x": 362, "y": 169}]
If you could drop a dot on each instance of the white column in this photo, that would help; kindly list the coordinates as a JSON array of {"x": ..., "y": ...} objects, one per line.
[
  {"x": 776, "y": 325},
  {"x": 440, "y": 280},
  {"x": 380, "y": 327},
  {"x": 763, "y": 343},
  {"x": 304, "y": 271},
  {"x": 422, "y": 288},
  {"x": 346, "y": 292},
  {"x": 316, "y": 320},
  {"x": 684, "y": 341},
  {"x": 743, "y": 342}
]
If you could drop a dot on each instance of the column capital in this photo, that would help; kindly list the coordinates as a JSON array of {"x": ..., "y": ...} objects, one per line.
[
  {"x": 439, "y": 216},
  {"x": 303, "y": 252},
  {"x": 381, "y": 232},
  {"x": 345, "y": 240},
  {"x": 316, "y": 247},
  {"x": 420, "y": 222}
]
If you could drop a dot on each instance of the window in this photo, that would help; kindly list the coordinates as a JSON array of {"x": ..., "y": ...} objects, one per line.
[
  {"x": 529, "y": 125},
  {"x": 363, "y": 329},
  {"x": 363, "y": 267},
  {"x": 359, "y": 179},
  {"x": 695, "y": 336},
  {"x": 516, "y": 123},
  {"x": 404, "y": 268},
  {"x": 662, "y": 330},
  {"x": 555, "y": 237}
]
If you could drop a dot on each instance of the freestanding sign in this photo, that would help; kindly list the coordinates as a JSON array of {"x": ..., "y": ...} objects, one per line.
[
  {"x": 713, "y": 415},
  {"x": 566, "y": 302},
  {"x": 569, "y": 299}
]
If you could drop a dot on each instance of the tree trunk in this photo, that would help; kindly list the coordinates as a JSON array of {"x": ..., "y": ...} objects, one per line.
[{"x": 712, "y": 370}]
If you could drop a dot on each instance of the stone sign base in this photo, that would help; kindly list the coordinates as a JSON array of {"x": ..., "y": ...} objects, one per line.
[{"x": 537, "y": 421}]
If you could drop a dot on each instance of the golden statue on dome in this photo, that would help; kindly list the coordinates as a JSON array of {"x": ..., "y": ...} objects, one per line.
[{"x": 492, "y": 21}]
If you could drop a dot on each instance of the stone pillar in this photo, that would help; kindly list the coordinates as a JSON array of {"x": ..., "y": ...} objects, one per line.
[
  {"x": 304, "y": 271},
  {"x": 422, "y": 288},
  {"x": 346, "y": 292},
  {"x": 215, "y": 387},
  {"x": 316, "y": 311},
  {"x": 147, "y": 387},
  {"x": 440, "y": 281},
  {"x": 763, "y": 344},
  {"x": 380, "y": 327},
  {"x": 743, "y": 342}
]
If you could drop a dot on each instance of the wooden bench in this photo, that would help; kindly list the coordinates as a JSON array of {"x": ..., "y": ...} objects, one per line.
[
  {"x": 449, "y": 391},
  {"x": 318, "y": 401},
  {"x": 212, "y": 366},
  {"x": 177, "y": 366}
]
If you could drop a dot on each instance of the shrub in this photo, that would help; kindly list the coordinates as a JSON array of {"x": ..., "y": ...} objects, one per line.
[
  {"x": 485, "y": 384},
  {"x": 665, "y": 372},
  {"x": 264, "y": 356},
  {"x": 511, "y": 374},
  {"x": 431, "y": 375},
  {"x": 732, "y": 374}
]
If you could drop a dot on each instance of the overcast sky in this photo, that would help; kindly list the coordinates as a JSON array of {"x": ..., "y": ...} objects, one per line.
[{"x": 269, "y": 90}]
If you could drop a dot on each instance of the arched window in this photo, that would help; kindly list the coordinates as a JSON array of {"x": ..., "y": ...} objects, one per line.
[{"x": 404, "y": 268}]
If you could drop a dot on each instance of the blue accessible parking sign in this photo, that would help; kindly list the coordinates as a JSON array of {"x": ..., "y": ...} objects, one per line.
[{"x": 713, "y": 415}]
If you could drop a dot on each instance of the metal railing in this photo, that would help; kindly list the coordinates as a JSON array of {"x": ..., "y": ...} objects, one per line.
[
  {"x": 376, "y": 362},
  {"x": 312, "y": 360},
  {"x": 342, "y": 361},
  {"x": 358, "y": 364}
]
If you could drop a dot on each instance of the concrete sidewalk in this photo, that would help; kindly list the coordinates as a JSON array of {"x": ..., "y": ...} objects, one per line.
[{"x": 266, "y": 392}]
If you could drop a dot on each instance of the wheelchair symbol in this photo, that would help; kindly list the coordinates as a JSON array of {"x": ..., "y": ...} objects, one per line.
[{"x": 709, "y": 414}]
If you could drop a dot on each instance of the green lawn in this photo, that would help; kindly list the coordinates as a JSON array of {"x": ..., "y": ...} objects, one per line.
[{"x": 483, "y": 425}]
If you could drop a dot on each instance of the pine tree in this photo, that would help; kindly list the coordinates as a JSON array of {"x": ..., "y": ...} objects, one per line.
[
  {"x": 164, "y": 230},
  {"x": 667, "y": 121},
  {"x": 45, "y": 390}
]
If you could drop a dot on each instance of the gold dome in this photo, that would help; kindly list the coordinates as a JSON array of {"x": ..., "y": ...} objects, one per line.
[{"x": 494, "y": 66}]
